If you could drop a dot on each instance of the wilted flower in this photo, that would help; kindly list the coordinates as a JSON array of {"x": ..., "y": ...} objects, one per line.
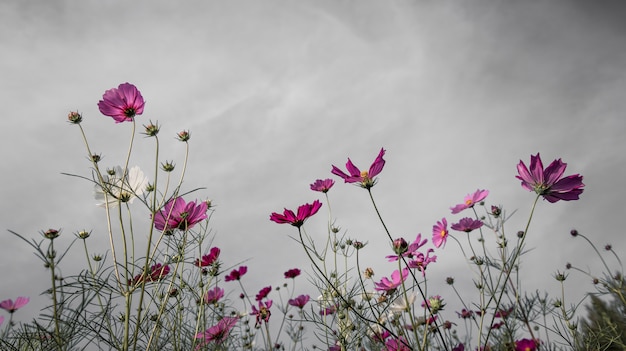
[
  {"x": 470, "y": 200},
  {"x": 74, "y": 117},
  {"x": 120, "y": 186},
  {"x": 304, "y": 211},
  {"x": 299, "y": 301},
  {"x": 219, "y": 332},
  {"x": 208, "y": 259},
  {"x": 177, "y": 214},
  {"x": 213, "y": 295},
  {"x": 122, "y": 103},
  {"x": 10, "y": 306},
  {"x": 440, "y": 233},
  {"x": 322, "y": 185},
  {"x": 550, "y": 182},
  {"x": 236, "y": 274},
  {"x": 467, "y": 225},
  {"x": 263, "y": 313},
  {"x": 365, "y": 178}
]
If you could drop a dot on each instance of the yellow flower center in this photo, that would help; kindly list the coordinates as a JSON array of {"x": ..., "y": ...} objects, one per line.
[
  {"x": 364, "y": 174},
  {"x": 468, "y": 202},
  {"x": 443, "y": 233}
]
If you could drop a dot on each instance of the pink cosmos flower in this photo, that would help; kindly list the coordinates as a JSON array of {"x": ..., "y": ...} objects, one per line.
[
  {"x": 263, "y": 293},
  {"x": 365, "y": 178},
  {"x": 263, "y": 313},
  {"x": 217, "y": 333},
  {"x": 209, "y": 259},
  {"x": 299, "y": 301},
  {"x": 525, "y": 345},
  {"x": 467, "y": 225},
  {"x": 410, "y": 250},
  {"x": 327, "y": 311},
  {"x": 440, "y": 233},
  {"x": 389, "y": 286},
  {"x": 177, "y": 214},
  {"x": 305, "y": 211},
  {"x": 236, "y": 274},
  {"x": 122, "y": 103},
  {"x": 421, "y": 261},
  {"x": 212, "y": 296},
  {"x": 459, "y": 347},
  {"x": 550, "y": 182},
  {"x": 11, "y": 306},
  {"x": 470, "y": 200},
  {"x": 399, "y": 344},
  {"x": 292, "y": 273},
  {"x": 322, "y": 185},
  {"x": 156, "y": 273}
]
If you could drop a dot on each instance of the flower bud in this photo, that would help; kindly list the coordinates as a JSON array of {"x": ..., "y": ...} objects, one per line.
[
  {"x": 368, "y": 273},
  {"x": 560, "y": 276},
  {"x": 83, "y": 234},
  {"x": 400, "y": 246},
  {"x": 151, "y": 129},
  {"x": 51, "y": 234},
  {"x": 450, "y": 280},
  {"x": 95, "y": 158},
  {"x": 168, "y": 166},
  {"x": 183, "y": 136},
  {"x": 520, "y": 234},
  {"x": 74, "y": 117},
  {"x": 574, "y": 232},
  {"x": 608, "y": 247},
  {"x": 496, "y": 211}
]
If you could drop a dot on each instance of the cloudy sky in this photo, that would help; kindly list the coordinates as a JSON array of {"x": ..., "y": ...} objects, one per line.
[{"x": 275, "y": 92}]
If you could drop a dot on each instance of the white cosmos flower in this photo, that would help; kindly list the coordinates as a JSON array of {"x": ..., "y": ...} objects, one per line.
[
  {"x": 119, "y": 188},
  {"x": 400, "y": 304}
]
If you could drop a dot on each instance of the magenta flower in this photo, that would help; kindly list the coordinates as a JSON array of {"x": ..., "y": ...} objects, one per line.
[
  {"x": 156, "y": 273},
  {"x": 467, "y": 225},
  {"x": 525, "y": 345},
  {"x": 122, "y": 103},
  {"x": 470, "y": 200},
  {"x": 305, "y": 211},
  {"x": 292, "y": 273},
  {"x": 440, "y": 233},
  {"x": 236, "y": 274},
  {"x": 11, "y": 306},
  {"x": 389, "y": 286},
  {"x": 322, "y": 185},
  {"x": 407, "y": 251},
  {"x": 399, "y": 344},
  {"x": 550, "y": 182},
  {"x": 327, "y": 311},
  {"x": 421, "y": 261},
  {"x": 177, "y": 214},
  {"x": 212, "y": 296},
  {"x": 459, "y": 347},
  {"x": 365, "y": 178},
  {"x": 217, "y": 333},
  {"x": 263, "y": 313},
  {"x": 263, "y": 293},
  {"x": 299, "y": 301},
  {"x": 209, "y": 259}
]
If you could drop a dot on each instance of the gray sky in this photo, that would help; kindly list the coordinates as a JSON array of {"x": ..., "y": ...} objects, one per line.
[{"x": 274, "y": 92}]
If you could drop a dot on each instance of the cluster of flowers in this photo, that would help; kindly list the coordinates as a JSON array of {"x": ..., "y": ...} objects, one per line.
[{"x": 392, "y": 315}]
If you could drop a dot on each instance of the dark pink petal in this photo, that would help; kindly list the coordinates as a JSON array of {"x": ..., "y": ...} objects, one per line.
[
  {"x": 554, "y": 172},
  {"x": 354, "y": 171},
  {"x": 378, "y": 164},
  {"x": 536, "y": 169}
]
